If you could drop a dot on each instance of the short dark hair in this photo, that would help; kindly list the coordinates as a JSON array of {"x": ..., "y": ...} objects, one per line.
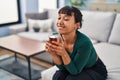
[{"x": 69, "y": 10}]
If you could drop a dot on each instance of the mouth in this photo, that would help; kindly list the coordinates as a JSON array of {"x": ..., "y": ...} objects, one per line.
[{"x": 61, "y": 27}]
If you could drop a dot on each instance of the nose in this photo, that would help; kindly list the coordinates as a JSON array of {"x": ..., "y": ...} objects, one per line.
[{"x": 60, "y": 22}]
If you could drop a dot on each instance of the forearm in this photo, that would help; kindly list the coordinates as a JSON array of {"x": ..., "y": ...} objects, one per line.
[
  {"x": 69, "y": 65},
  {"x": 57, "y": 59},
  {"x": 66, "y": 59}
]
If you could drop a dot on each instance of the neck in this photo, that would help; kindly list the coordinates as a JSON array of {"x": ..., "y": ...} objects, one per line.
[{"x": 69, "y": 38}]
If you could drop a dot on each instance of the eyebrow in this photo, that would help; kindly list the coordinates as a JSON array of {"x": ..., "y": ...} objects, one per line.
[{"x": 66, "y": 15}]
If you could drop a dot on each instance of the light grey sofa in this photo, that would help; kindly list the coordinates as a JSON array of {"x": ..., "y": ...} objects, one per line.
[{"x": 103, "y": 28}]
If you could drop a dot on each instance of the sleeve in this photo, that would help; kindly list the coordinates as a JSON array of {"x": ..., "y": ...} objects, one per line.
[
  {"x": 60, "y": 67},
  {"x": 80, "y": 59}
]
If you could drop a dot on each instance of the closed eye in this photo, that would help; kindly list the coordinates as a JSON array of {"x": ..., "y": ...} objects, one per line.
[{"x": 66, "y": 19}]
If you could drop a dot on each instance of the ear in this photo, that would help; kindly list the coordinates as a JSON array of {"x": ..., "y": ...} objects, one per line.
[{"x": 78, "y": 25}]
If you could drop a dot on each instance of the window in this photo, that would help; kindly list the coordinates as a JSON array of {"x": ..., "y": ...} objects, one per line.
[{"x": 9, "y": 12}]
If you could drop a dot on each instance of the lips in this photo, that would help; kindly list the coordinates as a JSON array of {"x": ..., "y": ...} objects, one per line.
[{"x": 60, "y": 27}]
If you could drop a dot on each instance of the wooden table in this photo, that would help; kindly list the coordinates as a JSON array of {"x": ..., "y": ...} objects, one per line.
[{"x": 22, "y": 46}]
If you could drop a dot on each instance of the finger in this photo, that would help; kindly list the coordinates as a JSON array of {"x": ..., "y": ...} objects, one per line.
[
  {"x": 48, "y": 44},
  {"x": 50, "y": 47},
  {"x": 46, "y": 49},
  {"x": 59, "y": 40},
  {"x": 53, "y": 47},
  {"x": 55, "y": 43}
]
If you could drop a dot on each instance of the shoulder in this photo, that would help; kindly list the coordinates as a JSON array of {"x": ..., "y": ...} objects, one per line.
[
  {"x": 83, "y": 40},
  {"x": 82, "y": 37}
]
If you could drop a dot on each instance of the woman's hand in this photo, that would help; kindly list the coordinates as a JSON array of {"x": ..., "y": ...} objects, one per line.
[
  {"x": 49, "y": 49},
  {"x": 60, "y": 50},
  {"x": 58, "y": 47}
]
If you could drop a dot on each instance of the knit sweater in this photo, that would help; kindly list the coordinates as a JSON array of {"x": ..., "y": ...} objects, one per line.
[{"x": 83, "y": 55}]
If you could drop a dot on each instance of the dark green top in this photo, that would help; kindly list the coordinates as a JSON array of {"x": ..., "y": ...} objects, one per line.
[{"x": 82, "y": 56}]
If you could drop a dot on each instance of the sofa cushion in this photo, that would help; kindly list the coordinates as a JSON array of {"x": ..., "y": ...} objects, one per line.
[
  {"x": 14, "y": 29},
  {"x": 97, "y": 25},
  {"x": 94, "y": 41},
  {"x": 37, "y": 16},
  {"x": 115, "y": 37},
  {"x": 110, "y": 55},
  {"x": 43, "y": 25}
]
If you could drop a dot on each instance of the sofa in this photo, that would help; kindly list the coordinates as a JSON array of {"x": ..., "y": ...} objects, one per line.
[{"x": 103, "y": 28}]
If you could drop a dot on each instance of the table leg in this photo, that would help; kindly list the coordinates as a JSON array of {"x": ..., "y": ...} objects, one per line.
[
  {"x": 15, "y": 57},
  {"x": 29, "y": 67}
]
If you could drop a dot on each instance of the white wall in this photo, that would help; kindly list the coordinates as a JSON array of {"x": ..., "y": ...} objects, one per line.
[
  {"x": 46, "y": 4},
  {"x": 31, "y": 6}
]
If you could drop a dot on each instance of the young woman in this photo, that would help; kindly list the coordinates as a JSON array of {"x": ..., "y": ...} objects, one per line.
[{"x": 73, "y": 53}]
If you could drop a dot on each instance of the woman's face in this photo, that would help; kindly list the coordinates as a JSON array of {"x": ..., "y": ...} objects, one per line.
[{"x": 66, "y": 24}]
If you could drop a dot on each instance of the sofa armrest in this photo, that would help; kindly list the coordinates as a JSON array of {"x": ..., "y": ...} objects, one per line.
[
  {"x": 40, "y": 36},
  {"x": 48, "y": 74},
  {"x": 17, "y": 28}
]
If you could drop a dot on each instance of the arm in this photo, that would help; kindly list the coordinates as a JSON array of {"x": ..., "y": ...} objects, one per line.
[
  {"x": 56, "y": 58},
  {"x": 61, "y": 52},
  {"x": 81, "y": 55},
  {"x": 80, "y": 59}
]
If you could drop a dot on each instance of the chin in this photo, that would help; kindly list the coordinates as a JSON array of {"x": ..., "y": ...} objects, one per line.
[{"x": 61, "y": 32}]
